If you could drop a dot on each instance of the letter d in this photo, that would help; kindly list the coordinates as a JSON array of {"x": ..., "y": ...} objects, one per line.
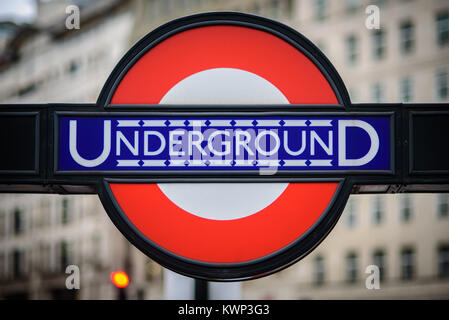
[{"x": 342, "y": 160}]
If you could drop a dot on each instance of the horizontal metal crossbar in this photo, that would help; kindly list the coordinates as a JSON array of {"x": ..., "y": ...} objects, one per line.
[{"x": 413, "y": 140}]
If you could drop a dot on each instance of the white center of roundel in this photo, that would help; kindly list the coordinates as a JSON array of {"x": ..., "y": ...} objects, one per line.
[{"x": 223, "y": 201}]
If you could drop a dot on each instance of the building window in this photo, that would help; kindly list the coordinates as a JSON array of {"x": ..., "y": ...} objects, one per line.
[
  {"x": 96, "y": 249},
  {"x": 163, "y": 8},
  {"x": 377, "y": 93},
  {"x": 74, "y": 67},
  {"x": 181, "y": 5},
  {"x": 443, "y": 205},
  {"x": 149, "y": 270},
  {"x": 2, "y": 265},
  {"x": 443, "y": 261},
  {"x": 65, "y": 218},
  {"x": 18, "y": 264},
  {"x": 406, "y": 208},
  {"x": 275, "y": 7},
  {"x": 256, "y": 8},
  {"x": 379, "y": 261},
  {"x": 320, "y": 10},
  {"x": 379, "y": 47},
  {"x": 379, "y": 2},
  {"x": 27, "y": 89},
  {"x": 351, "y": 49},
  {"x": 46, "y": 258},
  {"x": 378, "y": 210},
  {"x": 351, "y": 267},
  {"x": 351, "y": 218},
  {"x": 140, "y": 294},
  {"x": 407, "y": 264},
  {"x": 63, "y": 255},
  {"x": 2, "y": 224},
  {"x": 442, "y": 23},
  {"x": 442, "y": 85},
  {"x": 44, "y": 214},
  {"x": 405, "y": 87},
  {"x": 318, "y": 269},
  {"x": 289, "y": 7},
  {"x": 18, "y": 221},
  {"x": 407, "y": 37},
  {"x": 351, "y": 6}
]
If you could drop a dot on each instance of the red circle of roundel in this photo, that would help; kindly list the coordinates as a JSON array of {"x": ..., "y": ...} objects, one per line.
[
  {"x": 198, "y": 49},
  {"x": 253, "y": 237},
  {"x": 231, "y": 241}
]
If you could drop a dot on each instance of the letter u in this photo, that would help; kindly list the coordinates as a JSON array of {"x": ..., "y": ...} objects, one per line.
[
  {"x": 106, "y": 145},
  {"x": 303, "y": 144}
]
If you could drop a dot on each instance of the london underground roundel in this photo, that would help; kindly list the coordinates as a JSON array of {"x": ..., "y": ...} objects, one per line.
[{"x": 227, "y": 217}]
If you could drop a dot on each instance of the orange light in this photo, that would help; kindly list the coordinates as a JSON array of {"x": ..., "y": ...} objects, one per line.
[{"x": 120, "y": 279}]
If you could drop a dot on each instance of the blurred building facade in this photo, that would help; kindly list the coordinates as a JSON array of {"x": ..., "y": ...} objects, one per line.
[
  {"x": 407, "y": 236},
  {"x": 40, "y": 235}
]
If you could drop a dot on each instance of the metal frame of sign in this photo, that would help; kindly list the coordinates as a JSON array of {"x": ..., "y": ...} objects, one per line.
[{"x": 402, "y": 176}]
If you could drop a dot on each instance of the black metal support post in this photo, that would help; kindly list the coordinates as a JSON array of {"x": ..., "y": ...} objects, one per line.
[{"x": 201, "y": 290}]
